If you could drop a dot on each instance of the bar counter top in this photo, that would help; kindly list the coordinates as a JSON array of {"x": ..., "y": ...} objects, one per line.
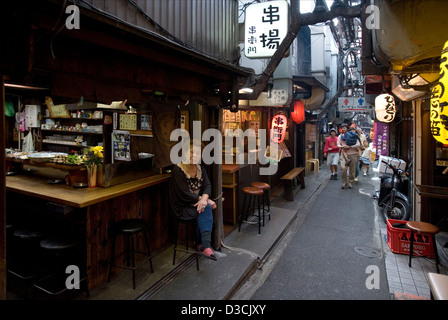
[{"x": 77, "y": 197}]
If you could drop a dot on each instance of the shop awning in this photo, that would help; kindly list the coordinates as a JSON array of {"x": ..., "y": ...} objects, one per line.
[{"x": 315, "y": 89}]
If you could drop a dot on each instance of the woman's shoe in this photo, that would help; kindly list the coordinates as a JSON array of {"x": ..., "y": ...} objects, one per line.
[{"x": 208, "y": 253}]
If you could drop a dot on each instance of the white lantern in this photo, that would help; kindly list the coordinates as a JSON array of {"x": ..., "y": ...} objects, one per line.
[{"x": 385, "y": 108}]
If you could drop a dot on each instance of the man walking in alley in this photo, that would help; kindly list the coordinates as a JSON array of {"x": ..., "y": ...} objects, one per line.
[
  {"x": 352, "y": 155},
  {"x": 331, "y": 151}
]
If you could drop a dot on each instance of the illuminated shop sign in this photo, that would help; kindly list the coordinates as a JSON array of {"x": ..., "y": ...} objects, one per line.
[
  {"x": 439, "y": 102},
  {"x": 385, "y": 108},
  {"x": 266, "y": 27},
  {"x": 278, "y": 128}
]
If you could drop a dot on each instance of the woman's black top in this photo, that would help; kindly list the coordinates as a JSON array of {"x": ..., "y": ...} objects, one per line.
[{"x": 181, "y": 196}]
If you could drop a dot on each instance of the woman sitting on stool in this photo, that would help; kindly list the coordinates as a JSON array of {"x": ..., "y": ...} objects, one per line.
[{"x": 189, "y": 199}]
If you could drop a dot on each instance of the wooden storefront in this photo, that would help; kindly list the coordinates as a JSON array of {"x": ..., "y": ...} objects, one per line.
[{"x": 103, "y": 62}]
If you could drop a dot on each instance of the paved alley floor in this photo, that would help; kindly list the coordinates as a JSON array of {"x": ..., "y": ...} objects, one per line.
[{"x": 342, "y": 238}]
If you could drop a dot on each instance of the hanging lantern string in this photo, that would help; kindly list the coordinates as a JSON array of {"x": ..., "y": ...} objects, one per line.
[{"x": 384, "y": 85}]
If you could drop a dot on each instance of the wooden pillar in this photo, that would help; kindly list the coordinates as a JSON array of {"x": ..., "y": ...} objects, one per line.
[
  {"x": 3, "y": 195},
  {"x": 218, "y": 225}
]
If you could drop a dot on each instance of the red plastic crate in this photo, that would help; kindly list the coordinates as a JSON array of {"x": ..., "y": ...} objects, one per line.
[{"x": 398, "y": 240}]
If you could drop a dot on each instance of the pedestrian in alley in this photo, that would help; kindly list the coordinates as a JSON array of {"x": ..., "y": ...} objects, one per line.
[
  {"x": 352, "y": 155},
  {"x": 331, "y": 152},
  {"x": 366, "y": 157},
  {"x": 350, "y": 137},
  {"x": 363, "y": 138}
]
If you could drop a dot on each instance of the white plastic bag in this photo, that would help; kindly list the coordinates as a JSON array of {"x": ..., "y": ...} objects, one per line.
[{"x": 28, "y": 143}]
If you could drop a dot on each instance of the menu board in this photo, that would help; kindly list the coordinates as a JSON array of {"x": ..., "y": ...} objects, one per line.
[
  {"x": 128, "y": 122},
  {"x": 58, "y": 111}
]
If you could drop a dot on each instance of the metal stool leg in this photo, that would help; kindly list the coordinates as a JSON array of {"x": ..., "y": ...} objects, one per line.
[
  {"x": 411, "y": 249},
  {"x": 132, "y": 253},
  {"x": 186, "y": 236},
  {"x": 266, "y": 198},
  {"x": 259, "y": 216},
  {"x": 175, "y": 242},
  {"x": 242, "y": 212},
  {"x": 435, "y": 252},
  {"x": 148, "y": 250}
]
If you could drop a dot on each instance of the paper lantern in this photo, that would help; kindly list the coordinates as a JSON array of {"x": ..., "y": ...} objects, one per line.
[
  {"x": 439, "y": 102},
  {"x": 385, "y": 108},
  {"x": 278, "y": 128},
  {"x": 298, "y": 115}
]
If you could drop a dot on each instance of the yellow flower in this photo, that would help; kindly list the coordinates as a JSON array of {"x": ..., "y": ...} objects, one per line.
[
  {"x": 97, "y": 151},
  {"x": 94, "y": 156}
]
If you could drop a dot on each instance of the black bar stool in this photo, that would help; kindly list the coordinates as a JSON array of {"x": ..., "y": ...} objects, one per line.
[
  {"x": 426, "y": 229},
  {"x": 62, "y": 252},
  {"x": 130, "y": 228},
  {"x": 25, "y": 259},
  {"x": 251, "y": 193},
  {"x": 187, "y": 222},
  {"x": 265, "y": 187}
]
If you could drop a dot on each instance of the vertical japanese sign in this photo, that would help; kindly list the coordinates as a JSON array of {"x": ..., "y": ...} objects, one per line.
[
  {"x": 266, "y": 27},
  {"x": 278, "y": 129},
  {"x": 439, "y": 102},
  {"x": 381, "y": 139}
]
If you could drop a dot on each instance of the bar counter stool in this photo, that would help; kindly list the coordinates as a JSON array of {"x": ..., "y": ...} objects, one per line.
[
  {"x": 187, "y": 222},
  {"x": 252, "y": 193},
  {"x": 265, "y": 187},
  {"x": 425, "y": 229},
  {"x": 130, "y": 228},
  {"x": 62, "y": 252},
  {"x": 25, "y": 259}
]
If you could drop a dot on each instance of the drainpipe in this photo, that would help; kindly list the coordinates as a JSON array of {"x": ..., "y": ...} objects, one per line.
[{"x": 297, "y": 20}]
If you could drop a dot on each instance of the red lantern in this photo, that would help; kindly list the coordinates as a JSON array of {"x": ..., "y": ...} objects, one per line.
[
  {"x": 278, "y": 128},
  {"x": 298, "y": 115}
]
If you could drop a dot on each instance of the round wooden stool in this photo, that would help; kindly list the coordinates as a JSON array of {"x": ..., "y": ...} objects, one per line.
[
  {"x": 423, "y": 228},
  {"x": 265, "y": 187},
  {"x": 251, "y": 193}
]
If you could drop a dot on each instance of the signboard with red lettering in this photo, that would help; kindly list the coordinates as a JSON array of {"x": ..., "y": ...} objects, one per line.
[
  {"x": 266, "y": 27},
  {"x": 278, "y": 128}
]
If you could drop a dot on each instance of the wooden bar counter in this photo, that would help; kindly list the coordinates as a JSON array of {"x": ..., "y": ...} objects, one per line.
[
  {"x": 95, "y": 211},
  {"x": 77, "y": 197}
]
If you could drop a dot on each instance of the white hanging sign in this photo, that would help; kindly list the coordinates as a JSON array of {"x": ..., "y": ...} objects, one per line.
[
  {"x": 350, "y": 104},
  {"x": 266, "y": 27},
  {"x": 385, "y": 108}
]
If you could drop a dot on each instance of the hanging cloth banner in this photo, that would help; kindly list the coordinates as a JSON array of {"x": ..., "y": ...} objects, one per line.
[
  {"x": 439, "y": 102},
  {"x": 381, "y": 139}
]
